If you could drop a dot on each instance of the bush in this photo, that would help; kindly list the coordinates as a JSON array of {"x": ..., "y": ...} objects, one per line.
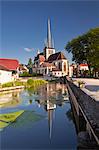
[
  {"x": 25, "y": 74},
  {"x": 9, "y": 84},
  {"x": 35, "y": 83},
  {"x": 18, "y": 83},
  {"x": 30, "y": 81}
]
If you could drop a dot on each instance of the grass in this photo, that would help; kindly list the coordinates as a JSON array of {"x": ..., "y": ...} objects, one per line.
[
  {"x": 29, "y": 83},
  {"x": 3, "y": 124},
  {"x": 10, "y": 84},
  {"x": 6, "y": 119},
  {"x": 10, "y": 117}
]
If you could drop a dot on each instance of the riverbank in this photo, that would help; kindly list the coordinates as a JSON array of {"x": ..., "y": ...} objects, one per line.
[
  {"x": 11, "y": 88},
  {"x": 29, "y": 83},
  {"x": 91, "y": 87}
]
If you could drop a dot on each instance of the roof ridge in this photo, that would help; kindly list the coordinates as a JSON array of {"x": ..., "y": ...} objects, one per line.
[{"x": 8, "y": 59}]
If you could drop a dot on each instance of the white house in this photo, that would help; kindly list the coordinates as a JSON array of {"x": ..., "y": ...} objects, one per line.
[
  {"x": 5, "y": 75},
  {"x": 83, "y": 67},
  {"x": 8, "y": 70}
]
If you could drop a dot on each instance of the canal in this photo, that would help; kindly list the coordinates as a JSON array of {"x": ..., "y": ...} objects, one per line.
[{"x": 40, "y": 119}]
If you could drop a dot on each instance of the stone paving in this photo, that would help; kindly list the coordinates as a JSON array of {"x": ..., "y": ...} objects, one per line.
[{"x": 91, "y": 87}]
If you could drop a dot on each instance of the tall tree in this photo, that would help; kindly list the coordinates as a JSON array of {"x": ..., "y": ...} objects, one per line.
[
  {"x": 30, "y": 64},
  {"x": 86, "y": 48}
]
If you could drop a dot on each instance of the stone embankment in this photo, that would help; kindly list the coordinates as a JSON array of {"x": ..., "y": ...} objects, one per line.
[
  {"x": 11, "y": 88},
  {"x": 88, "y": 107},
  {"x": 91, "y": 87}
]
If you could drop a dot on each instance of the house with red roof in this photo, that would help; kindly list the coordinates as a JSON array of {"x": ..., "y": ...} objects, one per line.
[
  {"x": 8, "y": 70},
  {"x": 83, "y": 67}
]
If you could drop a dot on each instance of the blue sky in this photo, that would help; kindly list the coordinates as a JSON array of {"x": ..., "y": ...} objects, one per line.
[{"x": 24, "y": 25}]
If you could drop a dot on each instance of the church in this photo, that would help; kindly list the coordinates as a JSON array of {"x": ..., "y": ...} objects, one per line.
[{"x": 50, "y": 62}]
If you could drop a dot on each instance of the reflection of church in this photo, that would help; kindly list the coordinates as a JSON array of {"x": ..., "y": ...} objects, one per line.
[{"x": 50, "y": 97}]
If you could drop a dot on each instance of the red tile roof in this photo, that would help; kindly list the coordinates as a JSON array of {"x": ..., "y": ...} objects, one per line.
[
  {"x": 10, "y": 64},
  {"x": 56, "y": 56},
  {"x": 83, "y": 65},
  {"x": 4, "y": 68},
  {"x": 41, "y": 58}
]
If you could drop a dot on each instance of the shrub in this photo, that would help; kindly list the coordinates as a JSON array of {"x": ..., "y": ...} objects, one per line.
[
  {"x": 35, "y": 83},
  {"x": 18, "y": 83},
  {"x": 25, "y": 74},
  {"x": 30, "y": 81},
  {"x": 9, "y": 84}
]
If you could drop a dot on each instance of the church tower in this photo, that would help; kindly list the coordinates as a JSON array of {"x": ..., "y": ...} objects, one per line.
[{"x": 49, "y": 49}]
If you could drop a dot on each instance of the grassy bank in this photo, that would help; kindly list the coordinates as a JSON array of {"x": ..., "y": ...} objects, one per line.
[
  {"x": 30, "y": 83},
  {"x": 5, "y": 119}
]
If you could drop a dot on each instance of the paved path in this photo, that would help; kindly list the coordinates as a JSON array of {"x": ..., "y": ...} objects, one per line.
[{"x": 91, "y": 87}]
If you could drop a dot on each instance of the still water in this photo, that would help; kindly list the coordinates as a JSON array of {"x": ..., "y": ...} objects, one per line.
[{"x": 40, "y": 119}]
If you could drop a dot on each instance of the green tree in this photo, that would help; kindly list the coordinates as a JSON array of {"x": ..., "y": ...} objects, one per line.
[
  {"x": 30, "y": 64},
  {"x": 85, "y": 48}
]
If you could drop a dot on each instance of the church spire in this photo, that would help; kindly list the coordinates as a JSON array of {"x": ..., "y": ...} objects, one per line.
[{"x": 49, "y": 36}]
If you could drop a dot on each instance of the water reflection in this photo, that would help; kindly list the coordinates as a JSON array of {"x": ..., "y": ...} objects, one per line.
[
  {"x": 51, "y": 96},
  {"x": 45, "y": 121},
  {"x": 10, "y": 99}
]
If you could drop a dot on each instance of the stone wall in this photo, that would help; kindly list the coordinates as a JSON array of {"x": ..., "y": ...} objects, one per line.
[{"x": 89, "y": 106}]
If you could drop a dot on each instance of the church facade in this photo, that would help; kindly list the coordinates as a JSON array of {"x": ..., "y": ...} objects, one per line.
[{"x": 49, "y": 62}]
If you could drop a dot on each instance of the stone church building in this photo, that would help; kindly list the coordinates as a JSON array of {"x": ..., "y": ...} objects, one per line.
[{"x": 49, "y": 62}]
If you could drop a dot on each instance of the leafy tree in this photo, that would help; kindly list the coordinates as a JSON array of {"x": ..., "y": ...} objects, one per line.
[
  {"x": 85, "y": 48},
  {"x": 30, "y": 64}
]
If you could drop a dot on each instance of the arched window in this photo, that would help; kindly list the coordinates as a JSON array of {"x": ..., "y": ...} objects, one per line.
[
  {"x": 60, "y": 65},
  {"x": 64, "y": 66}
]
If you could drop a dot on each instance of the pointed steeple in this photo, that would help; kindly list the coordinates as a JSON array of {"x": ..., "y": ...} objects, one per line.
[
  {"x": 38, "y": 51},
  {"x": 49, "y": 35}
]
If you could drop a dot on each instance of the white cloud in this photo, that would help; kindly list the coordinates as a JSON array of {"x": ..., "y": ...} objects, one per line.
[{"x": 28, "y": 49}]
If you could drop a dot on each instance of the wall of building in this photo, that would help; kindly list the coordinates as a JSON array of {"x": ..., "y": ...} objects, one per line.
[
  {"x": 62, "y": 62},
  {"x": 83, "y": 68},
  {"x": 57, "y": 73},
  {"x": 49, "y": 52},
  {"x": 70, "y": 71},
  {"x": 5, "y": 76}
]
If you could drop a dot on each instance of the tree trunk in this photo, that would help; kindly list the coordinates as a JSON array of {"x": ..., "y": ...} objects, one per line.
[{"x": 89, "y": 66}]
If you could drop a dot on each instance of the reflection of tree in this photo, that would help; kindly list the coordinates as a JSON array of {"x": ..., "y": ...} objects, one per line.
[
  {"x": 30, "y": 101},
  {"x": 6, "y": 119},
  {"x": 31, "y": 91},
  {"x": 69, "y": 114},
  {"x": 27, "y": 118}
]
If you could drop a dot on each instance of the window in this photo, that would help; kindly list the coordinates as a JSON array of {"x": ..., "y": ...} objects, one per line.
[
  {"x": 45, "y": 71},
  {"x": 64, "y": 66},
  {"x": 60, "y": 65}
]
